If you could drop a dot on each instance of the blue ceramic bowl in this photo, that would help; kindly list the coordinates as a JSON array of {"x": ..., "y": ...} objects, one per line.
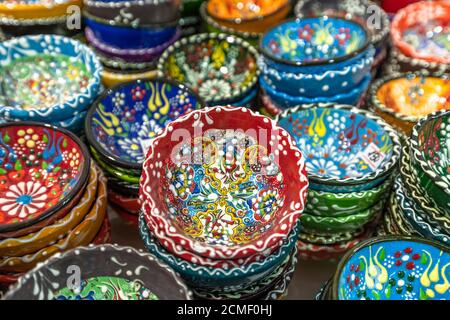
[
  {"x": 34, "y": 96},
  {"x": 74, "y": 124},
  {"x": 393, "y": 268},
  {"x": 216, "y": 278},
  {"x": 284, "y": 100},
  {"x": 247, "y": 101},
  {"x": 345, "y": 147},
  {"x": 325, "y": 84},
  {"x": 124, "y": 119},
  {"x": 124, "y": 37}
]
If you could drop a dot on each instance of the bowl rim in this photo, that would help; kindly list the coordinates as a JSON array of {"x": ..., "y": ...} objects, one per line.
[
  {"x": 417, "y": 157},
  {"x": 387, "y": 167},
  {"x": 102, "y": 248},
  {"x": 201, "y": 37},
  {"x": 323, "y": 62},
  {"x": 378, "y": 83},
  {"x": 388, "y": 238},
  {"x": 113, "y": 159},
  {"x": 79, "y": 186}
]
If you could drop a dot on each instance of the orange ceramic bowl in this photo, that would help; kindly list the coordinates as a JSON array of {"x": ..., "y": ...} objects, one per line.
[{"x": 37, "y": 9}]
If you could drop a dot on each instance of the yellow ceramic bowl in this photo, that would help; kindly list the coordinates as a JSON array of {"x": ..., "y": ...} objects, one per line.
[
  {"x": 112, "y": 78},
  {"x": 41, "y": 9}
]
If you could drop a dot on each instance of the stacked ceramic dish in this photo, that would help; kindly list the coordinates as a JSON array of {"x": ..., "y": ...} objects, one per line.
[
  {"x": 126, "y": 274},
  {"x": 313, "y": 60},
  {"x": 247, "y": 19},
  {"x": 47, "y": 78},
  {"x": 421, "y": 202},
  {"x": 221, "y": 204},
  {"x": 220, "y": 68},
  {"x": 350, "y": 157},
  {"x": 391, "y": 268},
  {"x": 420, "y": 35},
  {"x": 362, "y": 11},
  {"x": 129, "y": 36},
  {"x": 402, "y": 99},
  {"x": 52, "y": 198},
  {"x": 119, "y": 127},
  {"x": 190, "y": 21}
]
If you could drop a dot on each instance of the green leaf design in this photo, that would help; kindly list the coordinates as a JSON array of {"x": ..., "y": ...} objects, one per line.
[
  {"x": 376, "y": 295},
  {"x": 387, "y": 292},
  {"x": 362, "y": 266},
  {"x": 422, "y": 295},
  {"x": 424, "y": 259},
  {"x": 56, "y": 169},
  {"x": 2, "y": 171},
  {"x": 18, "y": 165},
  {"x": 6, "y": 138},
  {"x": 45, "y": 138},
  {"x": 64, "y": 144},
  {"x": 44, "y": 165},
  {"x": 382, "y": 255}
]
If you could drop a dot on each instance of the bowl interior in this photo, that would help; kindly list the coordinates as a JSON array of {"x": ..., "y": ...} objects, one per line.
[
  {"x": 243, "y": 10},
  {"x": 126, "y": 118},
  {"x": 317, "y": 40},
  {"x": 216, "y": 69},
  {"x": 226, "y": 185},
  {"x": 395, "y": 270},
  {"x": 415, "y": 96},
  {"x": 338, "y": 143},
  {"x": 39, "y": 168}
]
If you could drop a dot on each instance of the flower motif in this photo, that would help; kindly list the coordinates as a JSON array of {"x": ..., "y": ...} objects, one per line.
[
  {"x": 24, "y": 199},
  {"x": 138, "y": 93},
  {"x": 149, "y": 129},
  {"x": 132, "y": 147},
  {"x": 214, "y": 87},
  {"x": 323, "y": 168},
  {"x": 119, "y": 99}
]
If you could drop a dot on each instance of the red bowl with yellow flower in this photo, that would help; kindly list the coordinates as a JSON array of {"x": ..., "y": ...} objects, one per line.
[{"x": 43, "y": 171}]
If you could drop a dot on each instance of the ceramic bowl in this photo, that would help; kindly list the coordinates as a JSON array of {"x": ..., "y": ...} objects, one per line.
[
  {"x": 398, "y": 218},
  {"x": 122, "y": 187},
  {"x": 131, "y": 204},
  {"x": 246, "y": 135},
  {"x": 38, "y": 9},
  {"x": 137, "y": 275},
  {"x": 43, "y": 169},
  {"x": 430, "y": 155},
  {"x": 421, "y": 31},
  {"x": 135, "y": 12},
  {"x": 123, "y": 120},
  {"x": 104, "y": 234},
  {"x": 112, "y": 78},
  {"x": 360, "y": 10},
  {"x": 220, "y": 68},
  {"x": 402, "y": 99},
  {"x": 248, "y": 15},
  {"x": 398, "y": 62},
  {"x": 320, "y": 238},
  {"x": 346, "y": 149},
  {"x": 37, "y": 96},
  {"x": 393, "y": 268}
]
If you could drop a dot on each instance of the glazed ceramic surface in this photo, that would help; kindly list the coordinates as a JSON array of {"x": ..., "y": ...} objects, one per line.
[
  {"x": 142, "y": 276},
  {"x": 394, "y": 268},
  {"x": 234, "y": 205},
  {"x": 43, "y": 168},
  {"x": 36, "y": 9},
  {"x": 220, "y": 68},
  {"x": 243, "y": 10},
  {"x": 46, "y": 77},
  {"x": 342, "y": 144},
  {"x": 124, "y": 119}
]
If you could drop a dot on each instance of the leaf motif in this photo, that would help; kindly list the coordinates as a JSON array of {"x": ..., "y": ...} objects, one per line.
[
  {"x": 424, "y": 259},
  {"x": 362, "y": 266},
  {"x": 2, "y": 171},
  {"x": 18, "y": 165},
  {"x": 45, "y": 138},
  {"x": 387, "y": 292},
  {"x": 64, "y": 144},
  {"x": 44, "y": 165},
  {"x": 6, "y": 138},
  {"x": 376, "y": 295},
  {"x": 382, "y": 255},
  {"x": 56, "y": 169}
]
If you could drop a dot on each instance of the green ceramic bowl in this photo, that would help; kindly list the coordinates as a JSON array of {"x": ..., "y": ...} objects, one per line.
[
  {"x": 329, "y": 204},
  {"x": 397, "y": 218},
  {"x": 327, "y": 239}
]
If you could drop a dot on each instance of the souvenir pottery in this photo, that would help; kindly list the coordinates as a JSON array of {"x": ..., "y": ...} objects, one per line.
[
  {"x": 35, "y": 9},
  {"x": 397, "y": 217},
  {"x": 122, "y": 187},
  {"x": 221, "y": 68},
  {"x": 127, "y": 274},
  {"x": 43, "y": 169},
  {"x": 393, "y": 268},
  {"x": 131, "y": 204},
  {"x": 430, "y": 156},
  {"x": 112, "y": 78},
  {"x": 327, "y": 238},
  {"x": 208, "y": 220},
  {"x": 104, "y": 235},
  {"x": 421, "y": 30},
  {"x": 403, "y": 99},
  {"x": 346, "y": 149},
  {"x": 128, "y": 217},
  {"x": 398, "y": 62}
]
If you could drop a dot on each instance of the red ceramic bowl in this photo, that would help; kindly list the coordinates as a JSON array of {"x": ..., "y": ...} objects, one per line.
[
  {"x": 130, "y": 204},
  {"x": 128, "y": 217},
  {"x": 43, "y": 168},
  {"x": 224, "y": 183},
  {"x": 104, "y": 234},
  {"x": 412, "y": 26}
]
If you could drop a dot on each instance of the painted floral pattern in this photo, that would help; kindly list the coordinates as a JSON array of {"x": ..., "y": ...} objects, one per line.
[{"x": 431, "y": 38}]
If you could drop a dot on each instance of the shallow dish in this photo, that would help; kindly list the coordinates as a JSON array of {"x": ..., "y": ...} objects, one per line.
[
  {"x": 393, "y": 268},
  {"x": 257, "y": 151},
  {"x": 124, "y": 119},
  {"x": 345, "y": 147},
  {"x": 220, "y": 68},
  {"x": 43, "y": 169},
  {"x": 135, "y": 275},
  {"x": 35, "y": 95},
  {"x": 36, "y": 9}
]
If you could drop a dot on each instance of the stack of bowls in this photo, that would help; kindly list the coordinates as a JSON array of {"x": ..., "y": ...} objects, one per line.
[
  {"x": 47, "y": 78},
  {"x": 419, "y": 35},
  {"x": 421, "y": 203},
  {"x": 220, "y": 68},
  {"x": 190, "y": 21},
  {"x": 129, "y": 36},
  {"x": 360, "y": 10},
  {"x": 313, "y": 60},
  {"x": 52, "y": 198},
  {"x": 350, "y": 157},
  {"x": 126, "y": 274},
  {"x": 221, "y": 206},
  {"x": 402, "y": 99},
  {"x": 247, "y": 19},
  {"x": 119, "y": 127},
  {"x": 391, "y": 268}
]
